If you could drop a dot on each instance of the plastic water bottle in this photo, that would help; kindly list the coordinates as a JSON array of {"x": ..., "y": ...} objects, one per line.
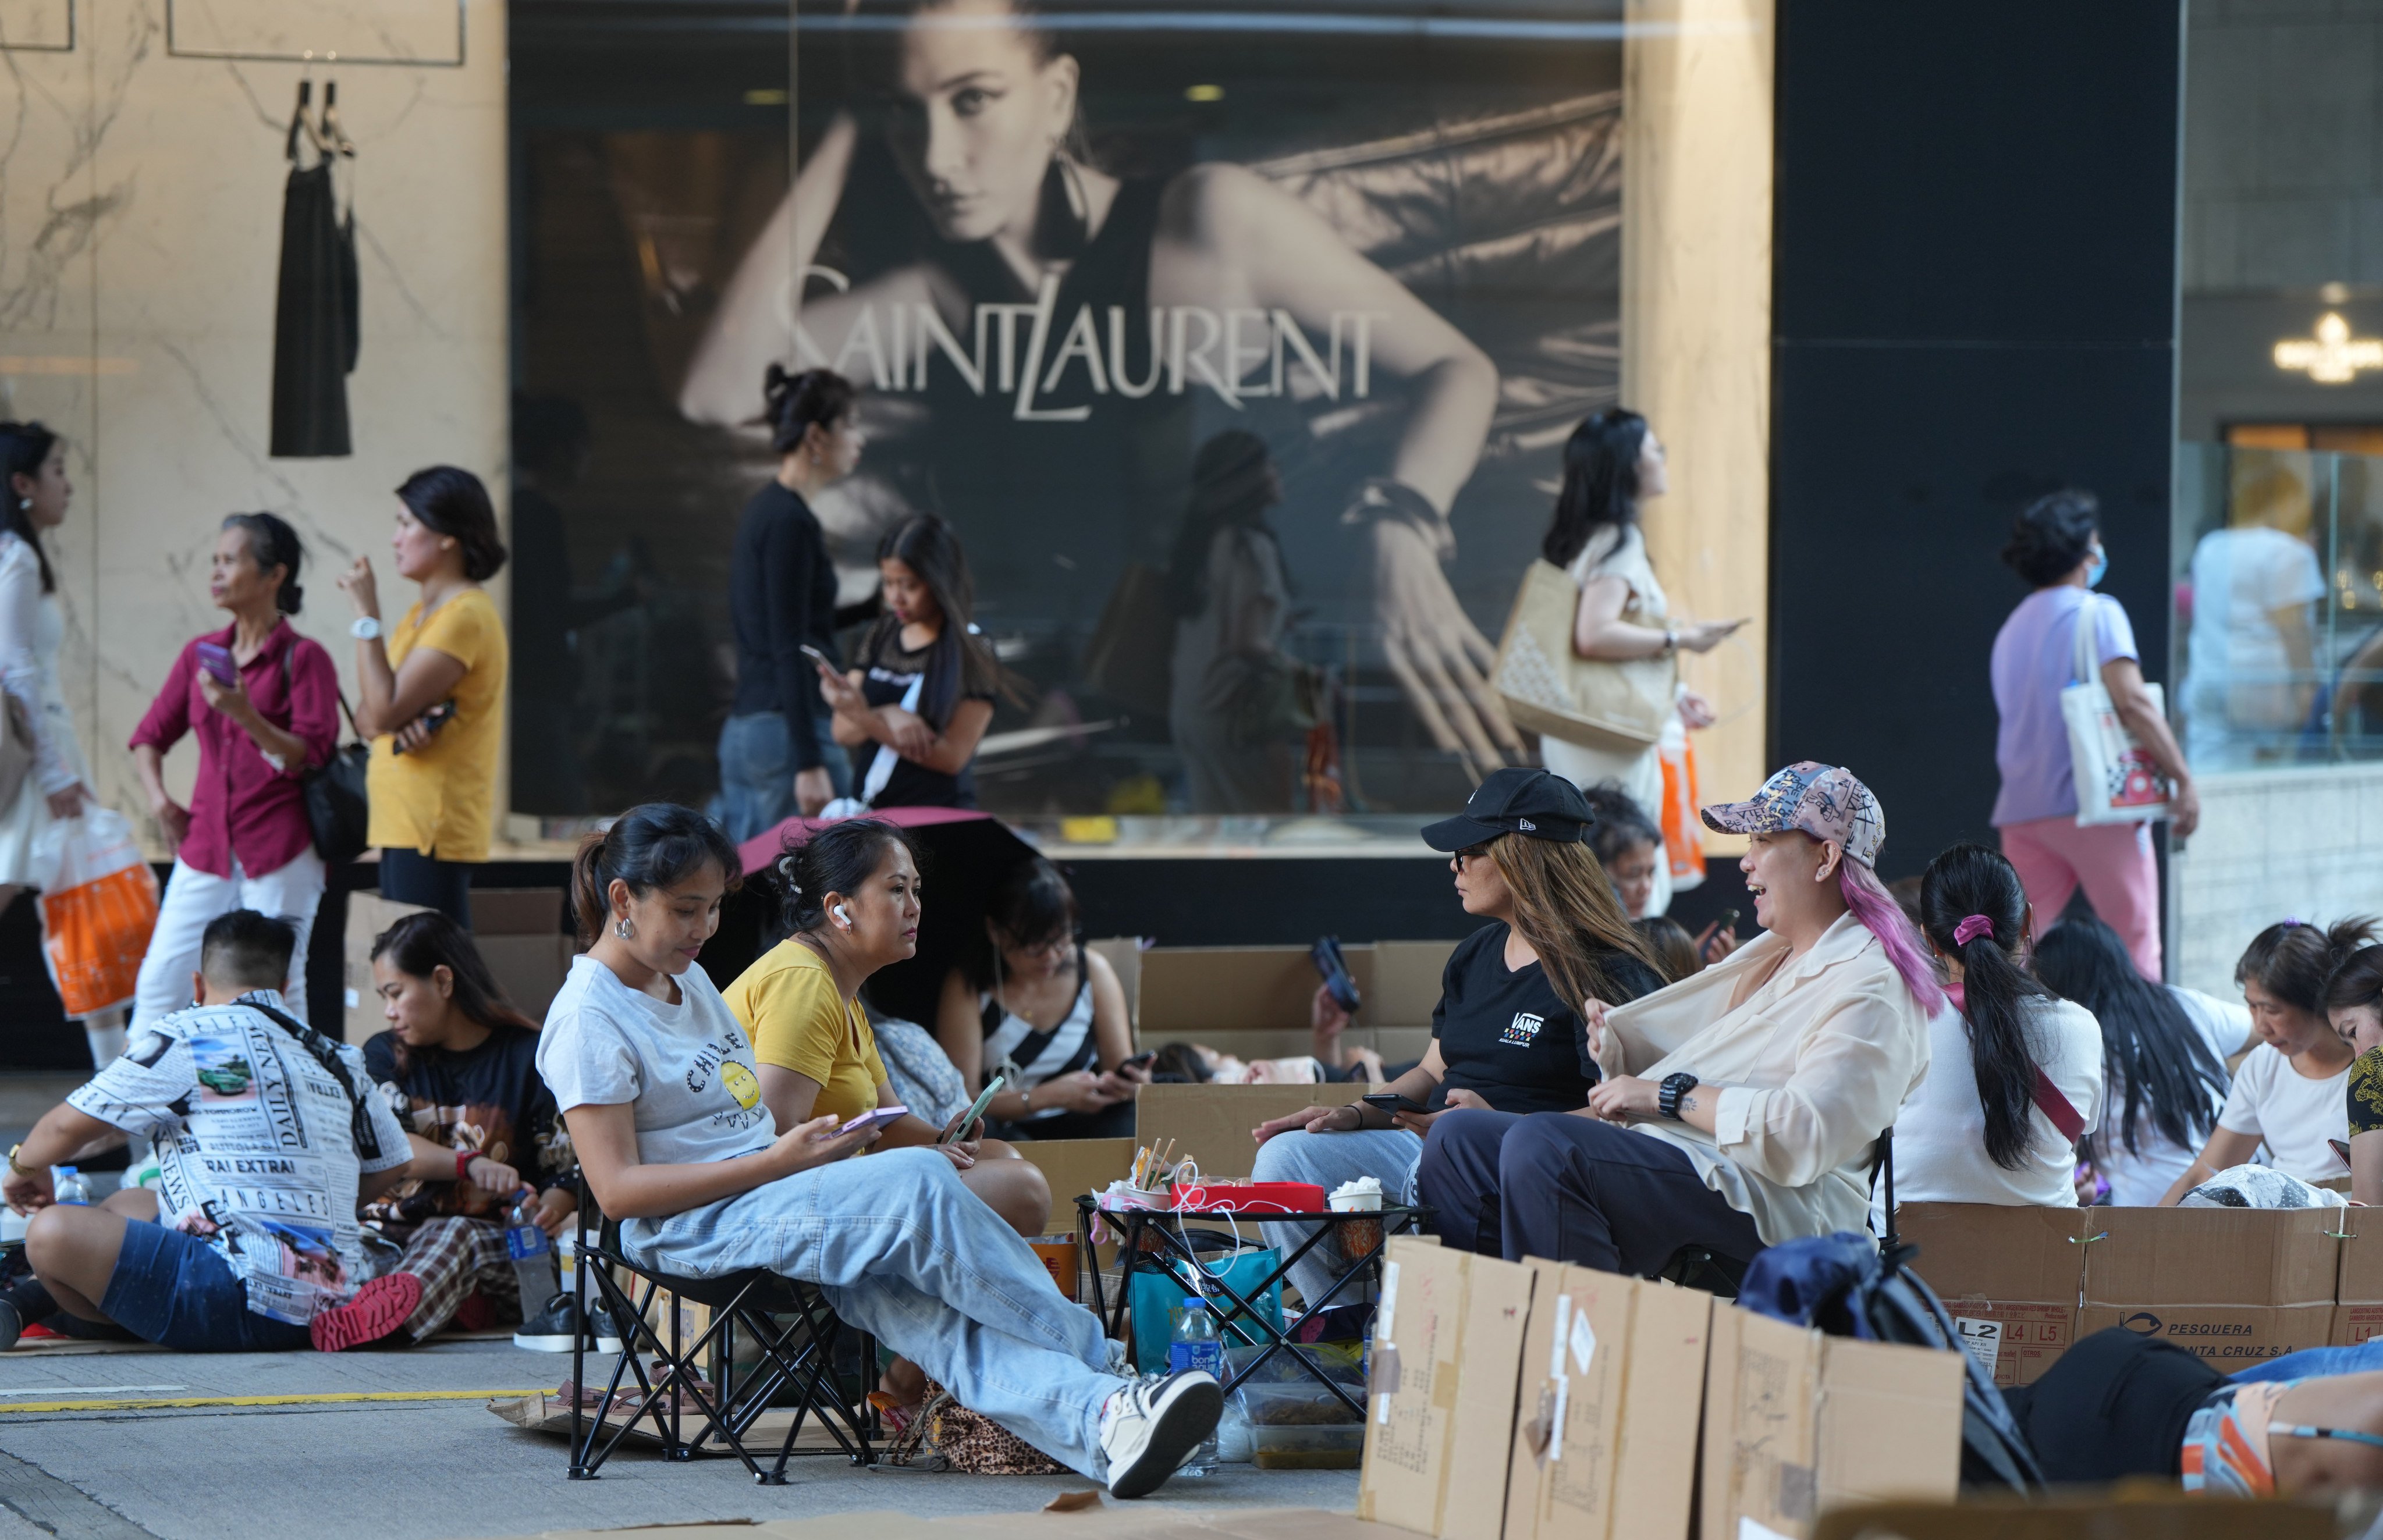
[
  {"x": 66, "y": 1185},
  {"x": 1195, "y": 1345},
  {"x": 533, "y": 1256}
]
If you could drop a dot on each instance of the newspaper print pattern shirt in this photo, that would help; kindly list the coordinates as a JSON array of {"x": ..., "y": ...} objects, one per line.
[{"x": 256, "y": 1145}]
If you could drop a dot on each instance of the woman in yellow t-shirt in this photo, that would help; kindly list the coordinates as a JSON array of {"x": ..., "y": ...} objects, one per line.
[
  {"x": 853, "y": 900},
  {"x": 432, "y": 697}
]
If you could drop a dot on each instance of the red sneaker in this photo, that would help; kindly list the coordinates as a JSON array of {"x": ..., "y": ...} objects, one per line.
[{"x": 380, "y": 1308}]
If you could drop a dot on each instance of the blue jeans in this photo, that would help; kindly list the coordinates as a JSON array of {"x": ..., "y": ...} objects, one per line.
[
  {"x": 756, "y": 771},
  {"x": 907, "y": 1254},
  {"x": 2311, "y": 1362},
  {"x": 176, "y": 1289}
]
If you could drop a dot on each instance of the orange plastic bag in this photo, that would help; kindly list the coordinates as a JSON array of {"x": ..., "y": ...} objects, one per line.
[
  {"x": 1684, "y": 841},
  {"x": 99, "y": 904}
]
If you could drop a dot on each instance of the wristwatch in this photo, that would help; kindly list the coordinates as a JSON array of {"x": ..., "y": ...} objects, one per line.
[
  {"x": 1671, "y": 640},
  {"x": 1667, "y": 1100},
  {"x": 13, "y": 1164},
  {"x": 365, "y": 628}
]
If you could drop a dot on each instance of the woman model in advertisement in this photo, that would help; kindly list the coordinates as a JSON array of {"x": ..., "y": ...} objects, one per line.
[
  {"x": 262, "y": 702},
  {"x": 1065, "y": 261},
  {"x": 1613, "y": 464}
]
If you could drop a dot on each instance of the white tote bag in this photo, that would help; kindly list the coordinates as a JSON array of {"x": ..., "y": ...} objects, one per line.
[{"x": 2117, "y": 780}]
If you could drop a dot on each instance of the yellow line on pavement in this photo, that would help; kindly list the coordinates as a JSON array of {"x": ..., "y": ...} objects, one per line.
[{"x": 328, "y": 1398}]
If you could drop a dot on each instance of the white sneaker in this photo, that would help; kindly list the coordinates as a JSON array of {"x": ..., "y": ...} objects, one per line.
[{"x": 1148, "y": 1430}]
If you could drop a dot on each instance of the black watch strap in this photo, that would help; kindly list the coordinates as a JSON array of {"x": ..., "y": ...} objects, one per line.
[{"x": 1667, "y": 1098}]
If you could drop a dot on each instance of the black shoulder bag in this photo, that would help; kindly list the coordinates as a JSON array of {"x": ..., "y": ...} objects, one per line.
[
  {"x": 360, "y": 1117},
  {"x": 338, "y": 810}
]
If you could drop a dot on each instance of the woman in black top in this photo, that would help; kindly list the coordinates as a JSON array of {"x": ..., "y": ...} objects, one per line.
[
  {"x": 914, "y": 710},
  {"x": 1506, "y": 1034},
  {"x": 459, "y": 1067},
  {"x": 775, "y": 760}
]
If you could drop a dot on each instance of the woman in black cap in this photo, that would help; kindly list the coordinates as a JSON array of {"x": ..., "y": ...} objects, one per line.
[{"x": 1507, "y": 1034}]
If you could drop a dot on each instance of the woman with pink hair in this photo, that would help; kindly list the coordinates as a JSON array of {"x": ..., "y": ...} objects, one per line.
[{"x": 1740, "y": 1107}]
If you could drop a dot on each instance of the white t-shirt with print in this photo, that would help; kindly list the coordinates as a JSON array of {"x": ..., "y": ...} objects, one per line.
[
  {"x": 256, "y": 1147},
  {"x": 687, "y": 1069},
  {"x": 2293, "y": 1114}
]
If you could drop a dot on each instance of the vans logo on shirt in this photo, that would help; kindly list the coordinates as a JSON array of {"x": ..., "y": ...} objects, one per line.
[{"x": 1524, "y": 1031}]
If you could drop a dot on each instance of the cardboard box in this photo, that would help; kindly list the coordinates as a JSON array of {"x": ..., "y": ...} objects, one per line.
[
  {"x": 2358, "y": 1294},
  {"x": 1074, "y": 1166},
  {"x": 1104, "y": 1520},
  {"x": 517, "y": 930},
  {"x": 2143, "y": 1512},
  {"x": 368, "y": 915},
  {"x": 1533, "y": 1400},
  {"x": 1252, "y": 1002},
  {"x": 2234, "y": 1286},
  {"x": 1212, "y": 1124},
  {"x": 1798, "y": 1424},
  {"x": 1607, "y": 1451},
  {"x": 1412, "y": 1394},
  {"x": 2010, "y": 1278},
  {"x": 1497, "y": 1305}
]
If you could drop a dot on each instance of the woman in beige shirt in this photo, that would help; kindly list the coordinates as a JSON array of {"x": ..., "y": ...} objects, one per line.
[{"x": 1761, "y": 1085}]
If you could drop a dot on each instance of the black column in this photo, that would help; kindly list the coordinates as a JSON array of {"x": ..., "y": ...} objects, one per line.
[{"x": 1975, "y": 292}]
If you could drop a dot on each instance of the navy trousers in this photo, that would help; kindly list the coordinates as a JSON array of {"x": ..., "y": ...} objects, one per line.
[{"x": 1571, "y": 1189}]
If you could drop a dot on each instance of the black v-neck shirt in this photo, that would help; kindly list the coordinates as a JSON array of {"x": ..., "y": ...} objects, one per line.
[{"x": 1504, "y": 1033}]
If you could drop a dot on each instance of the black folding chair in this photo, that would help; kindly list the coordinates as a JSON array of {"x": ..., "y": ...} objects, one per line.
[
  {"x": 1701, "y": 1267},
  {"x": 791, "y": 1323}
]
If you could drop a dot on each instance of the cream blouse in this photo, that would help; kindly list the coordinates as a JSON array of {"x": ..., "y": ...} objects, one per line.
[{"x": 1812, "y": 1067}]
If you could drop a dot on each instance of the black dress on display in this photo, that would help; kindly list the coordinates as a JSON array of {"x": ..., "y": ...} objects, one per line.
[{"x": 316, "y": 336}]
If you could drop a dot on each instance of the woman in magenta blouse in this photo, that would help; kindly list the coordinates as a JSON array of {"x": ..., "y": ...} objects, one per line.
[{"x": 243, "y": 843}]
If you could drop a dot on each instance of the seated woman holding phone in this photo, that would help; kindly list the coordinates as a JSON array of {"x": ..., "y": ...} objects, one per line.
[
  {"x": 661, "y": 1089},
  {"x": 1507, "y": 1033},
  {"x": 1033, "y": 1006}
]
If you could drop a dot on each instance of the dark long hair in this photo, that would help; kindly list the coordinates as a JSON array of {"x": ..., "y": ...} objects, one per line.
[
  {"x": 421, "y": 944},
  {"x": 2292, "y": 960},
  {"x": 837, "y": 858},
  {"x": 959, "y": 661},
  {"x": 1233, "y": 484},
  {"x": 24, "y": 447},
  {"x": 1565, "y": 908},
  {"x": 1970, "y": 880},
  {"x": 1032, "y": 906},
  {"x": 792, "y": 404},
  {"x": 652, "y": 846},
  {"x": 2358, "y": 981},
  {"x": 452, "y": 501},
  {"x": 1600, "y": 481},
  {"x": 2148, "y": 1043},
  {"x": 272, "y": 542}
]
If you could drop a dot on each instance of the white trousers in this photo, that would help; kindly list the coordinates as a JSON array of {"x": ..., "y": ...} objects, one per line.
[{"x": 195, "y": 899}]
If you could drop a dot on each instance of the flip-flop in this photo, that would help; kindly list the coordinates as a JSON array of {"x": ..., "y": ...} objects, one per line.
[{"x": 380, "y": 1308}]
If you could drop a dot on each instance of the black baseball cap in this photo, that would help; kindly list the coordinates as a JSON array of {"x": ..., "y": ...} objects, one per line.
[{"x": 1519, "y": 800}]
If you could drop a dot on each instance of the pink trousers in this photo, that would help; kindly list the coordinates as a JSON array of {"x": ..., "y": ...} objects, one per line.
[{"x": 2113, "y": 862}]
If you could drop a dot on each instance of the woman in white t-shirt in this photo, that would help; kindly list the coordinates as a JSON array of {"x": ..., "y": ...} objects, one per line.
[
  {"x": 658, "y": 1084},
  {"x": 2164, "y": 1053},
  {"x": 2292, "y": 1093},
  {"x": 2250, "y": 663},
  {"x": 1612, "y": 464},
  {"x": 1985, "y": 1128}
]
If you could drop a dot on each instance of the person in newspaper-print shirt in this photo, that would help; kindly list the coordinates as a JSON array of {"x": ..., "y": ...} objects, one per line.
[{"x": 268, "y": 1136}]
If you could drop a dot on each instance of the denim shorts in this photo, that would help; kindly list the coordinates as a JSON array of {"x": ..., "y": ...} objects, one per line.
[{"x": 177, "y": 1290}]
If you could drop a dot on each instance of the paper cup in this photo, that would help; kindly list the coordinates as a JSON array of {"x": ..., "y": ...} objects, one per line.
[{"x": 1359, "y": 1237}]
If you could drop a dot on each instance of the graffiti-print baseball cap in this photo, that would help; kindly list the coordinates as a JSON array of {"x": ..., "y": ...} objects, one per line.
[{"x": 1827, "y": 802}]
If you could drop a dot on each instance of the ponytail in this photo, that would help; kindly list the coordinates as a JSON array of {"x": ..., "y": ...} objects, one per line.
[
  {"x": 655, "y": 845},
  {"x": 1974, "y": 911}
]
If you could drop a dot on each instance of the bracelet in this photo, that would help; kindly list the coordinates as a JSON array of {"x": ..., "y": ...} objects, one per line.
[
  {"x": 21, "y": 1169},
  {"x": 463, "y": 1159}
]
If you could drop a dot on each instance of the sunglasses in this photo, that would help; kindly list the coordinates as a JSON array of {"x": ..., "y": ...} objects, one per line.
[{"x": 1471, "y": 853}]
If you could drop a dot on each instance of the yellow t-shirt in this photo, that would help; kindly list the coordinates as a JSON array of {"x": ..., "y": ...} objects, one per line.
[
  {"x": 441, "y": 799},
  {"x": 787, "y": 1004}
]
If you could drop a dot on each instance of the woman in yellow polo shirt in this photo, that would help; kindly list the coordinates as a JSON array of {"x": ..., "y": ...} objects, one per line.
[
  {"x": 432, "y": 694},
  {"x": 853, "y": 900}
]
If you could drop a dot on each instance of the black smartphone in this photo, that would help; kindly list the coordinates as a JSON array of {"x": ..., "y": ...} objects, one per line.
[
  {"x": 1394, "y": 1101},
  {"x": 1326, "y": 955},
  {"x": 1142, "y": 1061},
  {"x": 432, "y": 720},
  {"x": 1728, "y": 922}
]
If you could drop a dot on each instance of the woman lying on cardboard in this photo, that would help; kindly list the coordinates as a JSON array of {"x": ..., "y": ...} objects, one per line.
[
  {"x": 1506, "y": 1035},
  {"x": 1739, "y": 1108},
  {"x": 661, "y": 1090}
]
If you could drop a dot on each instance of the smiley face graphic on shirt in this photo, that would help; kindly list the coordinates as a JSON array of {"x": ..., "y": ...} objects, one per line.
[{"x": 739, "y": 1082}]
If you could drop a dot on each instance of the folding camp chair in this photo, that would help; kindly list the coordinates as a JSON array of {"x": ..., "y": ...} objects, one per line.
[{"x": 1698, "y": 1267}]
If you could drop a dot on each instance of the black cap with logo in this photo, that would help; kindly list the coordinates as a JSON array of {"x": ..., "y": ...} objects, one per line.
[{"x": 1517, "y": 801}]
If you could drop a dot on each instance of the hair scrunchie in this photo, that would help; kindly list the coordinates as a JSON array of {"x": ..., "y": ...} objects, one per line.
[{"x": 1971, "y": 928}]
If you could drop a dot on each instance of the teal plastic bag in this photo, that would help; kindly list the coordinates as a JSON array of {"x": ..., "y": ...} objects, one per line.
[{"x": 1158, "y": 1301}]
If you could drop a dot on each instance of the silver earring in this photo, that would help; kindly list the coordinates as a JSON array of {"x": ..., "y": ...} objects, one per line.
[{"x": 624, "y": 929}]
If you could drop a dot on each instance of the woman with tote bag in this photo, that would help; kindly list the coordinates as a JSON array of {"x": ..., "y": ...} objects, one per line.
[
  {"x": 2049, "y": 832},
  {"x": 1589, "y": 659}
]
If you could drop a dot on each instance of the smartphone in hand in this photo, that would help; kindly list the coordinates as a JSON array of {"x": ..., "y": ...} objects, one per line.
[
  {"x": 957, "y": 1133},
  {"x": 816, "y": 656},
  {"x": 875, "y": 1117},
  {"x": 216, "y": 660},
  {"x": 1394, "y": 1101}
]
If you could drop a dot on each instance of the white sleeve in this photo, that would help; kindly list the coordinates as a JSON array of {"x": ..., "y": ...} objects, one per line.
[
  {"x": 20, "y": 665},
  {"x": 2250, "y": 1083}
]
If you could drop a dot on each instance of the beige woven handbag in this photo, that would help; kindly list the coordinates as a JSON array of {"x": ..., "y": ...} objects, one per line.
[{"x": 1555, "y": 692}]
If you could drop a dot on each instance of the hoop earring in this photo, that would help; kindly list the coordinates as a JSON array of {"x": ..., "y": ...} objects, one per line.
[{"x": 623, "y": 929}]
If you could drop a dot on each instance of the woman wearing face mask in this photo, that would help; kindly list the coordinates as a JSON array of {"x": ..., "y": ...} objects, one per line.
[
  {"x": 2055, "y": 544},
  {"x": 658, "y": 1084},
  {"x": 852, "y": 899},
  {"x": 432, "y": 696},
  {"x": 1507, "y": 1038},
  {"x": 1739, "y": 1108},
  {"x": 914, "y": 708},
  {"x": 2014, "y": 1071},
  {"x": 776, "y": 755},
  {"x": 244, "y": 841},
  {"x": 2291, "y": 1094},
  {"x": 980, "y": 115},
  {"x": 1033, "y": 1000},
  {"x": 33, "y": 465},
  {"x": 459, "y": 1067}
]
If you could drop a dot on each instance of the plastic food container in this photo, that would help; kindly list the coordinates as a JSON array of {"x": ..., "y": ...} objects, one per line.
[{"x": 1310, "y": 1447}]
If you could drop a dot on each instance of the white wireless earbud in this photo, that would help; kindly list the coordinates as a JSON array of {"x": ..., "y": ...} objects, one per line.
[{"x": 839, "y": 911}]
